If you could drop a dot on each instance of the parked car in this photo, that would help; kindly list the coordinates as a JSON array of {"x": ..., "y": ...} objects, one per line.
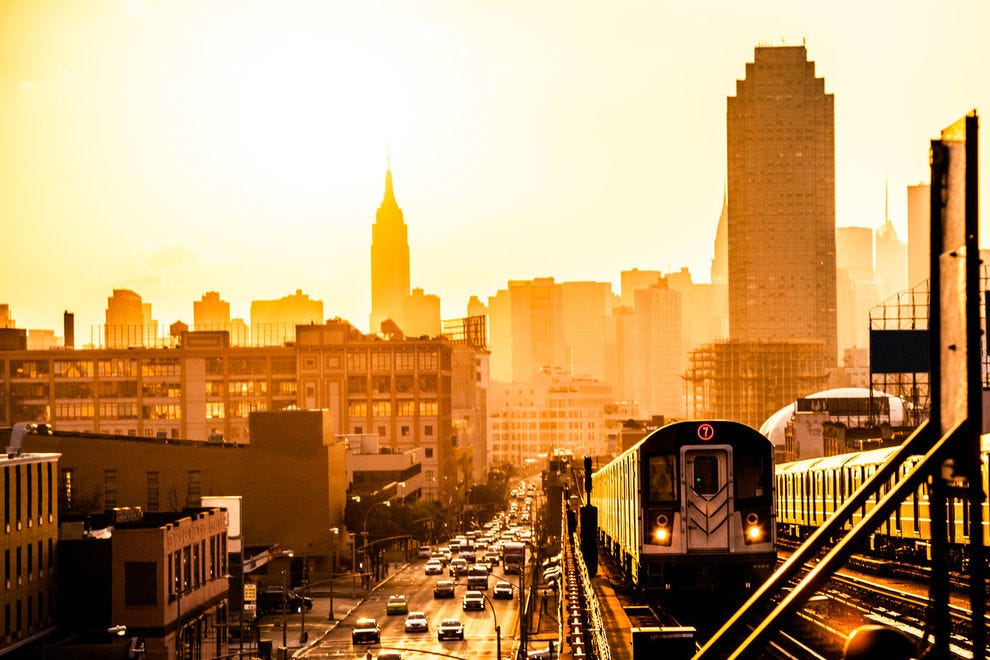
[
  {"x": 450, "y": 629},
  {"x": 502, "y": 590},
  {"x": 473, "y": 600},
  {"x": 417, "y": 622},
  {"x": 389, "y": 655},
  {"x": 433, "y": 567},
  {"x": 397, "y": 604},
  {"x": 276, "y": 599},
  {"x": 443, "y": 589},
  {"x": 366, "y": 632}
]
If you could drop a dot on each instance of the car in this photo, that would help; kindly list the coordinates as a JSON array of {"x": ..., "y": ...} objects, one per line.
[
  {"x": 433, "y": 567},
  {"x": 389, "y": 655},
  {"x": 443, "y": 589},
  {"x": 458, "y": 566},
  {"x": 450, "y": 629},
  {"x": 423, "y": 552},
  {"x": 473, "y": 600},
  {"x": 397, "y": 604},
  {"x": 277, "y": 599},
  {"x": 416, "y": 622},
  {"x": 491, "y": 557},
  {"x": 366, "y": 632},
  {"x": 502, "y": 589}
]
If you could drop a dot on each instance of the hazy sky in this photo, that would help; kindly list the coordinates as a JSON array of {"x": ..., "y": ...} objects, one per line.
[{"x": 178, "y": 146}]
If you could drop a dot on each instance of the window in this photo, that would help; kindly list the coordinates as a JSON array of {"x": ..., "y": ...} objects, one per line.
[
  {"x": 381, "y": 431},
  {"x": 428, "y": 429},
  {"x": 357, "y": 385},
  {"x": 662, "y": 475},
  {"x": 65, "y": 490},
  {"x": 357, "y": 409},
  {"x": 404, "y": 431},
  {"x": 705, "y": 480},
  {"x": 381, "y": 361},
  {"x": 195, "y": 488},
  {"x": 405, "y": 361},
  {"x": 428, "y": 361},
  {"x": 153, "y": 485},
  {"x": 428, "y": 452},
  {"x": 357, "y": 362}
]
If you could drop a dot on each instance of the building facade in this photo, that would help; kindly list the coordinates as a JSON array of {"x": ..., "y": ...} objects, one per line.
[
  {"x": 400, "y": 390},
  {"x": 781, "y": 202},
  {"x": 528, "y": 421},
  {"x": 28, "y": 542}
]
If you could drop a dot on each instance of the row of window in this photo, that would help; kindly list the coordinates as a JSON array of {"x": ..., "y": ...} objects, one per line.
[
  {"x": 383, "y": 360},
  {"x": 27, "y": 486},
  {"x": 38, "y": 617},
  {"x": 402, "y": 408},
  {"x": 27, "y": 563},
  {"x": 384, "y": 384},
  {"x": 249, "y": 366},
  {"x": 403, "y": 433},
  {"x": 192, "y": 566}
]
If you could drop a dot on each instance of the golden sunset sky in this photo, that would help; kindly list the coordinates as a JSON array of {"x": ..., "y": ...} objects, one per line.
[{"x": 178, "y": 146}]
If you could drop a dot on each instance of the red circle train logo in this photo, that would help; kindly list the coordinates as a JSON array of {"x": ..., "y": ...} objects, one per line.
[{"x": 706, "y": 432}]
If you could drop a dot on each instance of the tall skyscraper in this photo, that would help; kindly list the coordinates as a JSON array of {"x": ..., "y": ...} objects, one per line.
[
  {"x": 919, "y": 233},
  {"x": 720, "y": 272},
  {"x": 389, "y": 262},
  {"x": 128, "y": 321},
  {"x": 781, "y": 202}
]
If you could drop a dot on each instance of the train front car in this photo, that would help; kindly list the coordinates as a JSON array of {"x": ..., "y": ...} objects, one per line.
[{"x": 691, "y": 508}]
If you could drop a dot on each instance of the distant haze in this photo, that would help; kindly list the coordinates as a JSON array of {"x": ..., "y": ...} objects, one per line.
[{"x": 183, "y": 146}]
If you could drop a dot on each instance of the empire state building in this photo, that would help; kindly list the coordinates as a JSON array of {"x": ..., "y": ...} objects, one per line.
[{"x": 389, "y": 262}]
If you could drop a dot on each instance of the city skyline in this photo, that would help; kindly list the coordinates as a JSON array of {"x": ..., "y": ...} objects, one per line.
[{"x": 167, "y": 153}]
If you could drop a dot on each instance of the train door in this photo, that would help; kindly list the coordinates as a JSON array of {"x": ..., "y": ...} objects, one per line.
[{"x": 706, "y": 497}]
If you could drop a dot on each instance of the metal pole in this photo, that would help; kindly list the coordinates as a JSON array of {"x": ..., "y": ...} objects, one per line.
[
  {"x": 285, "y": 607},
  {"x": 302, "y": 605},
  {"x": 330, "y": 615},
  {"x": 240, "y": 613}
]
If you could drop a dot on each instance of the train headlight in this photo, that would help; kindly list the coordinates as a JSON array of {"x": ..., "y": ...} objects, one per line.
[
  {"x": 753, "y": 529},
  {"x": 662, "y": 533}
]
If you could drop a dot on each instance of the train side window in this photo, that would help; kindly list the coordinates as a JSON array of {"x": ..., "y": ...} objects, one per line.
[
  {"x": 705, "y": 480},
  {"x": 661, "y": 477}
]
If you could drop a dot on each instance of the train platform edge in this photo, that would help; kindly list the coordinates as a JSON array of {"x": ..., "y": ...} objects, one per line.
[{"x": 618, "y": 627}]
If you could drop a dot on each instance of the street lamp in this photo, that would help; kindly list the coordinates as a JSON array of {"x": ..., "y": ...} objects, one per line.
[
  {"x": 498, "y": 631},
  {"x": 333, "y": 570},
  {"x": 285, "y": 600}
]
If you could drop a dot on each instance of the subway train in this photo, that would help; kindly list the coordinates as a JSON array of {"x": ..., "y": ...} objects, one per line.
[
  {"x": 690, "y": 507},
  {"x": 811, "y": 490}
]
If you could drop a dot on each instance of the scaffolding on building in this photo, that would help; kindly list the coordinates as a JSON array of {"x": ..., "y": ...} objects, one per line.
[
  {"x": 909, "y": 311},
  {"x": 749, "y": 381}
]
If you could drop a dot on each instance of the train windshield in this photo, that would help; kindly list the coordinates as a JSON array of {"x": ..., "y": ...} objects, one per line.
[
  {"x": 662, "y": 475},
  {"x": 706, "y": 480}
]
